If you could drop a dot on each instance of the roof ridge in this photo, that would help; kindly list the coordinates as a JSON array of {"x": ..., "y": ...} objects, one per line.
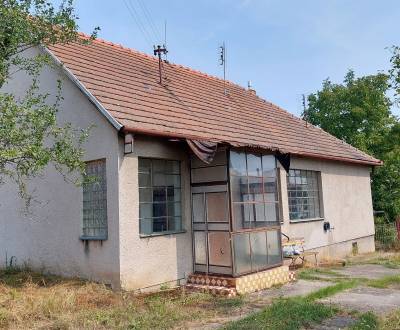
[{"x": 180, "y": 66}]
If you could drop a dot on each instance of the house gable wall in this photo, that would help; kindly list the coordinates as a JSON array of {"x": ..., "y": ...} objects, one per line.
[
  {"x": 347, "y": 206},
  {"x": 48, "y": 238}
]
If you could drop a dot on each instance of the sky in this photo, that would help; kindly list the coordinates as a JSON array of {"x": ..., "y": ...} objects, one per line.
[{"x": 286, "y": 48}]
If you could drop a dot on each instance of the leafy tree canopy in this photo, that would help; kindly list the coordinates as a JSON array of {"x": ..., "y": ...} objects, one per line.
[
  {"x": 30, "y": 136},
  {"x": 358, "y": 111}
]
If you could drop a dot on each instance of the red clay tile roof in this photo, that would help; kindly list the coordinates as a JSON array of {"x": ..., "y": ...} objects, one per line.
[{"x": 191, "y": 104}]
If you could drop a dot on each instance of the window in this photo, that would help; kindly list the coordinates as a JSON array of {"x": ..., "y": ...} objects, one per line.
[
  {"x": 304, "y": 194},
  {"x": 159, "y": 196},
  {"x": 95, "y": 201},
  {"x": 254, "y": 190}
]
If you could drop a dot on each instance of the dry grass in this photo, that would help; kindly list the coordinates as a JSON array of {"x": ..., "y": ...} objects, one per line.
[
  {"x": 387, "y": 259},
  {"x": 391, "y": 321},
  {"x": 34, "y": 301}
]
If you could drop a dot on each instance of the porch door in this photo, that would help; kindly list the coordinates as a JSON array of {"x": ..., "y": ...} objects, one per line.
[{"x": 211, "y": 229}]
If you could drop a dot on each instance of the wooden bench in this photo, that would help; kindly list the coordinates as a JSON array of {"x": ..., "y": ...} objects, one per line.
[{"x": 298, "y": 244}]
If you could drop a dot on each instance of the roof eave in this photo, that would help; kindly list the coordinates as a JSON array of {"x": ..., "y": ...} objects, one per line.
[
  {"x": 174, "y": 135},
  {"x": 84, "y": 90},
  {"x": 376, "y": 162}
]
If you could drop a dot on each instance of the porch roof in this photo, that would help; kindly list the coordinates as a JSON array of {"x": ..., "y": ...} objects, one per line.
[{"x": 191, "y": 104}]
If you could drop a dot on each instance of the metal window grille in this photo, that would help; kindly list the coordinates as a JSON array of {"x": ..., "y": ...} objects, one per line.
[
  {"x": 159, "y": 196},
  {"x": 95, "y": 201},
  {"x": 304, "y": 194}
]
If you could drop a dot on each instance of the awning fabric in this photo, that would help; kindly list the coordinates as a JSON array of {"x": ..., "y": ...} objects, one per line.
[{"x": 205, "y": 150}]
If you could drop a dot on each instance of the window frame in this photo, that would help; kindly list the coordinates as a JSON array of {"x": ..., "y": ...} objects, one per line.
[
  {"x": 319, "y": 196},
  {"x": 85, "y": 237},
  {"x": 181, "y": 201},
  {"x": 263, "y": 225}
]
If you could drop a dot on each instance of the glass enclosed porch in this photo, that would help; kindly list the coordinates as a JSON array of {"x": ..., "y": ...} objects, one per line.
[{"x": 236, "y": 213}]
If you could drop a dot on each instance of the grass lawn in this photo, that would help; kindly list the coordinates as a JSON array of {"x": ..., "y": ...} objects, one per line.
[
  {"x": 387, "y": 259},
  {"x": 30, "y": 300},
  {"x": 286, "y": 314},
  {"x": 34, "y": 301}
]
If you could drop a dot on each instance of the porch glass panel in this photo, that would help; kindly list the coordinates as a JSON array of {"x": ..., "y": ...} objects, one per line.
[{"x": 235, "y": 213}]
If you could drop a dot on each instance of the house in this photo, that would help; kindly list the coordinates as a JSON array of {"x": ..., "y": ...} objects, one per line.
[{"x": 195, "y": 175}]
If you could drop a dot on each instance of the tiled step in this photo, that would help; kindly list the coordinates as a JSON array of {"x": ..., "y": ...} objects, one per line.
[
  {"x": 292, "y": 276},
  {"x": 214, "y": 290},
  {"x": 220, "y": 281}
]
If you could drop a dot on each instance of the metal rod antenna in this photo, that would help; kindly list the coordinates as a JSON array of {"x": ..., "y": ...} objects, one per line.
[
  {"x": 305, "y": 117},
  {"x": 165, "y": 32},
  {"x": 165, "y": 38},
  {"x": 224, "y": 69},
  {"x": 223, "y": 62},
  {"x": 157, "y": 52}
]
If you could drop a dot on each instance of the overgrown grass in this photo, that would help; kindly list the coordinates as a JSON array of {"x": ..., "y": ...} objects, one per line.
[
  {"x": 384, "y": 282},
  {"x": 36, "y": 301},
  {"x": 286, "y": 314},
  {"x": 391, "y": 321},
  {"x": 387, "y": 259},
  {"x": 315, "y": 274},
  {"x": 332, "y": 290},
  {"x": 366, "y": 321}
]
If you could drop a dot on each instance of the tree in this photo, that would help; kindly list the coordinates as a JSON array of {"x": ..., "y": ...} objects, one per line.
[
  {"x": 358, "y": 111},
  {"x": 30, "y": 136}
]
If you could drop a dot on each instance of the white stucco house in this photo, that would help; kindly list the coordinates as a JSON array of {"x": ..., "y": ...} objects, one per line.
[{"x": 195, "y": 176}]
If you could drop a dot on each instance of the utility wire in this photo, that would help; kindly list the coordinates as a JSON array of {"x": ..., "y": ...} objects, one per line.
[
  {"x": 150, "y": 20},
  {"x": 138, "y": 21}
]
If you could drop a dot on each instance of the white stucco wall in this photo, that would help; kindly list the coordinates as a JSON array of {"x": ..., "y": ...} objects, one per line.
[
  {"x": 48, "y": 238},
  {"x": 347, "y": 206},
  {"x": 147, "y": 262}
]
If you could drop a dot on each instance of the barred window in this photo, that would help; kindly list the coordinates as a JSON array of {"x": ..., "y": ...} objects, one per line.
[
  {"x": 255, "y": 198},
  {"x": 159, "y": 196},
  {"x": 304, "y": 194},
  {"x": 95, "y": 201}
]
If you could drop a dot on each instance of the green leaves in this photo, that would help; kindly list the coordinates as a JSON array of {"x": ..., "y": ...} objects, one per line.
[
  {"x": 30, "y": 136},
  {"x": 358, "y": 111}
]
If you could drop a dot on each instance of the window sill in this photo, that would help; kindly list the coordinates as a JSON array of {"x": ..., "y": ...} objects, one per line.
[
  {"x": 306, "y": 220},
  {"x": 89, "y": 238},
  {"x": 162, "y": 233}
]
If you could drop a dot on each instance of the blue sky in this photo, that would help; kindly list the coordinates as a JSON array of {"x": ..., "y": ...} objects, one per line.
[{"x": 286, "y": 48}]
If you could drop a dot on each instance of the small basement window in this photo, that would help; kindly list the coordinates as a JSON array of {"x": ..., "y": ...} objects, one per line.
[
  {"x": 159, "y": 196},
  {"x": 304, "y": 194},
  {"x": 95, "y": 201}
]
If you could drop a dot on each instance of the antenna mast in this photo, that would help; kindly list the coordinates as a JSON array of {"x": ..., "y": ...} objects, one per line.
[
  {"x": 165, "y": 38},
  {"x": 222, "y": 61},
  {"x": 157, "y": 52},
  {"x": 305, "y": 117}
]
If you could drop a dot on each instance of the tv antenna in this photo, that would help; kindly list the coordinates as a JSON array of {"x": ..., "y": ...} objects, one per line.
[
  {"x": 158, "y": 51},
  {"x": 165, "y": 33},
  {"x": 305, "y": 114},
  {"x": 222, "y": 61}
]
